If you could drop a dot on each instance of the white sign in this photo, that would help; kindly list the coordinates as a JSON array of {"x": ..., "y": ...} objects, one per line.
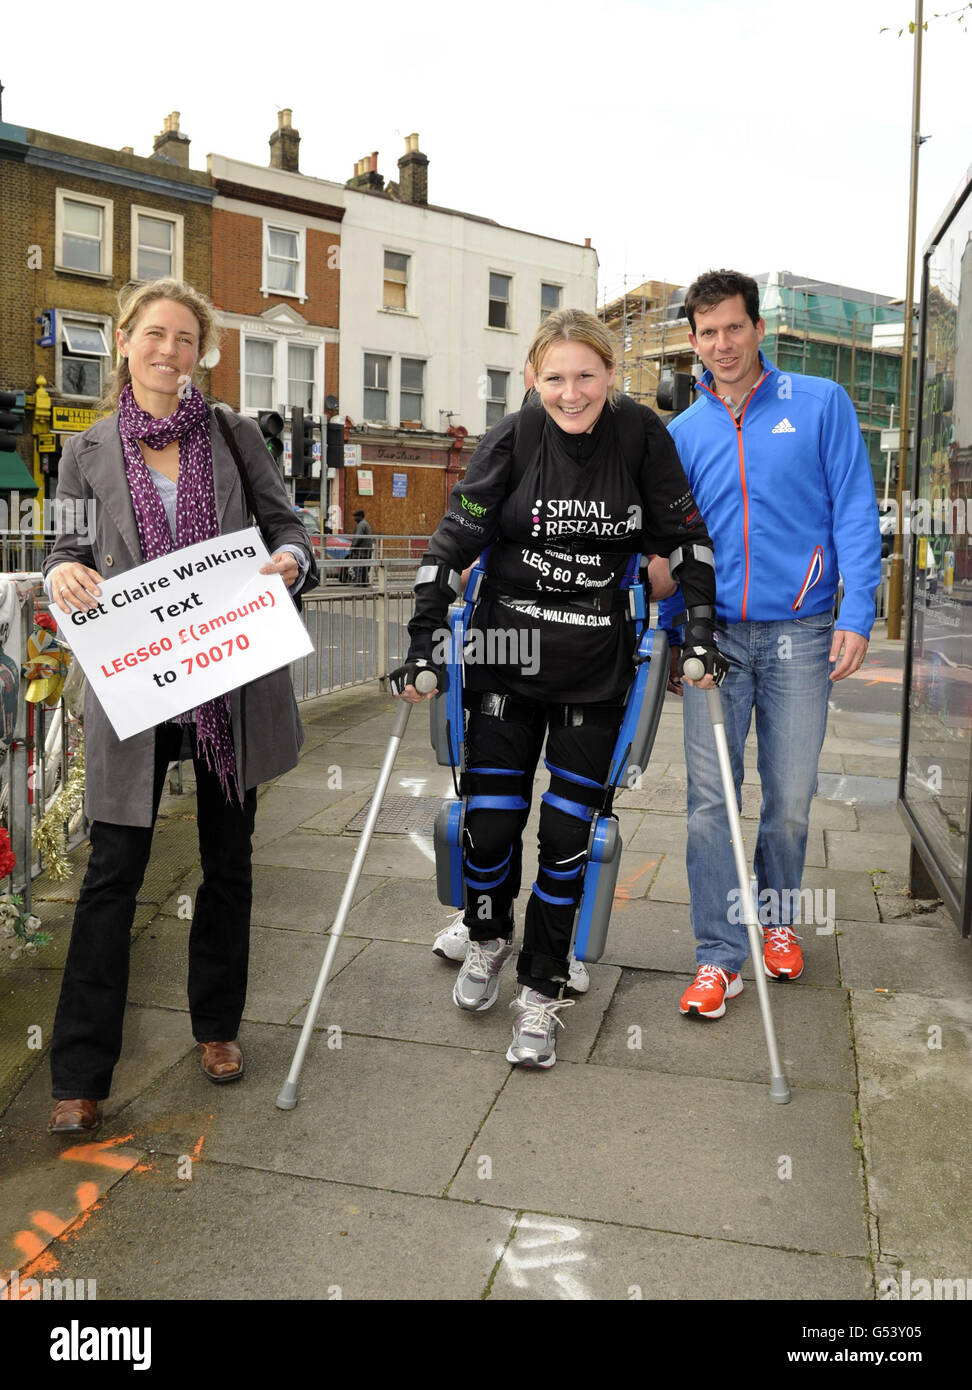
[{"x": 172, "y": 634}]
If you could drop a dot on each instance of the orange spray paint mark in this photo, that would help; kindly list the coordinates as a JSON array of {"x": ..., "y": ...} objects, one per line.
[
  {"x": 28, "y": 1243},
  {"x": 47, "y": 1221},
  {"x": 98, "y": 1154},
  {"x": 622, "y": 894}
]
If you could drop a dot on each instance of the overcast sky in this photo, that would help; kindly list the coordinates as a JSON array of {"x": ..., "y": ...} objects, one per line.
[{"x": 765, "y": 136}]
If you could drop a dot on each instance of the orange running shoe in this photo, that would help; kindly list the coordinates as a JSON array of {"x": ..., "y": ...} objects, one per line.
[
  {"x": 707, "y": 994},
  {"x": 782, "y": 957}
]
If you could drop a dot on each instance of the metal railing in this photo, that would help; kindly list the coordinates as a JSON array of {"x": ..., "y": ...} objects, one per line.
[{"x": 359, "y": 637}]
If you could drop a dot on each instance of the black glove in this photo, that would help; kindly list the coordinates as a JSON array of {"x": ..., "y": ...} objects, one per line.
[
  {"x": 408, "y": 673},
  {"x": 700, "y": 645}
]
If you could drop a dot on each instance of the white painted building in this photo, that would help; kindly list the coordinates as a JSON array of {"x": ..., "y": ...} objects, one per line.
[{"x": 438, "y": 307}]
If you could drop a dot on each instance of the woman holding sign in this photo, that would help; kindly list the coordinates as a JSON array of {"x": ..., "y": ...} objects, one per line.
[{"x": 154, "y": 477}]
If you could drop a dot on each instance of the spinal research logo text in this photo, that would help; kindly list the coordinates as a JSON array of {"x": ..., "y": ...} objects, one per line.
[{"x": 77, "y": 1343}]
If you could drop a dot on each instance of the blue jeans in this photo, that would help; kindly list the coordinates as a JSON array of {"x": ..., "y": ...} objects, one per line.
[{"x": 782, "y": 670}]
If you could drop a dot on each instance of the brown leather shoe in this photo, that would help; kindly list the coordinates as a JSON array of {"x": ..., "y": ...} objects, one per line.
[
  {"x": 74, "y": 1117},
  {"x": 221, "y": 1061}
]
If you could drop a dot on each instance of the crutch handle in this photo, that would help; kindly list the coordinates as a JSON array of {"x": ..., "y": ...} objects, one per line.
[
  {"x": 694, "y": 668},
  {"x": 425, "y": 681}
]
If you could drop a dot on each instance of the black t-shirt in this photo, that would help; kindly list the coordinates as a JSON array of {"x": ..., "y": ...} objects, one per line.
[{"x": 562, "y": 528}]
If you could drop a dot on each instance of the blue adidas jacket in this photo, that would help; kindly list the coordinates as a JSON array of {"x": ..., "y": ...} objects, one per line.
[{"x": 788, "y": 499}]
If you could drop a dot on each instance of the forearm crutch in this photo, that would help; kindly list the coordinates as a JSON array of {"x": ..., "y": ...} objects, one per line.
[
  {"x": 287, "y": 1099},
  {"x": 695, "y": 670}
]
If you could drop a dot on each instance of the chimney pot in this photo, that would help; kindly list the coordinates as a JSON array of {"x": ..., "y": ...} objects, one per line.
[
  {"x": 587, "y": 241},
  {"x": 285, "y": 144},
  {"x": 170, "y": 143},
  {"x": 413, "y": 173},
  {"x": 366, "y": 173}
]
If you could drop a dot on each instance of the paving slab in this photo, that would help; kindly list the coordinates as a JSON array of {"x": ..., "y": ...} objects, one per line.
[
  {"x": 315, "y": 1240},
  {"x": 866, "y": 849},
  {"x": 280, "y": 810},
  {"x": 335, "y": 818},
  {"x": 283, "y": 968},
  {"x": 352, "y": 752},
  {"x": 644, "y": 1029},
  {"x": 333, "y": 785},
  {"x": 388, "y": 855},
  {"x": 550, "y": 1258},
  {"x": 390, "y": 1114},
  {"x": 699, "y": 1157},
  {"x": 916, "y": 1103},
  {"x": 853, "y": 892},
  {"x": 649, "y": 935},
  {"x": 659, "y": 832},
  {"x": 154, "y": 1040},
  {"x": 395, "y": 990},
  {"x": 44, "y": 1199},
  {"x": 307, "y": 899},
  {"x": 401, "y": 910},
  {"x": 879, "y": 820},
  {"x": 832, "y": 815},
  {"x": 670, "y": 883},
  {"x": 908, "y": 956}
]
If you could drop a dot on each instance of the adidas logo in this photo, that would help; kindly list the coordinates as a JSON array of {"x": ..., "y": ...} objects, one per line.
[{"x": 784, "y": 427}]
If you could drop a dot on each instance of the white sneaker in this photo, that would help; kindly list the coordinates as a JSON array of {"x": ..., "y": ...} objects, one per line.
[
  {"x": 578, "y": 980},
  {"x": 535, "y": 1021},
  {"x": 451, "y": 944},
  {"x": 477, "y": 983}
]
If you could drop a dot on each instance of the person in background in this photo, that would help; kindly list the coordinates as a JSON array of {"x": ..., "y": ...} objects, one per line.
[{"x": 361, "y": 546}]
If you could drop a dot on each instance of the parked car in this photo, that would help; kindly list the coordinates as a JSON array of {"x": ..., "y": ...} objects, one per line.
[{"x": 312, "y": 525}]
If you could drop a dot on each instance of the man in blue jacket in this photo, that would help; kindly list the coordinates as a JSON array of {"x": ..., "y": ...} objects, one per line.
[{"x": 780, "y": 472}]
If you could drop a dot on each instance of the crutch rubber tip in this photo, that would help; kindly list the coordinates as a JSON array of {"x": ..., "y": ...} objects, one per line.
[
  {"x": 779, "y": 1090},
  {"x": 287, "y": 1099}
]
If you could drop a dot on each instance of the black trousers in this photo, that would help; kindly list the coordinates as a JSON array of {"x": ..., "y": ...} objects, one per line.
[
  {"x": 493, "y": 847},
  {"x": 87, "y": 1037}
]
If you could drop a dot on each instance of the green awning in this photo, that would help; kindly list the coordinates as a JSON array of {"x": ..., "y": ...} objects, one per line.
[{"x": 14, "y": 475}]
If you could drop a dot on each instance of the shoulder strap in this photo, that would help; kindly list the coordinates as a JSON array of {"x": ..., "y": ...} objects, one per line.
[
  {"x": 526, "y": 438},
  {"x": 631, "y": 433},
  {"x": 231, "y": 444}
]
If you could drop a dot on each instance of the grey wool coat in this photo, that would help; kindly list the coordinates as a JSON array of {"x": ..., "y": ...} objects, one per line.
[{"x": 267, "y": 732}]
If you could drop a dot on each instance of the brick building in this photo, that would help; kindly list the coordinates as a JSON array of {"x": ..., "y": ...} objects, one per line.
[{"x": 80, "y": 222}]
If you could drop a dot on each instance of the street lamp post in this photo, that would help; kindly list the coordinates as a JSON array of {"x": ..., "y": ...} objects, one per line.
[{"x": 896, "y": 574}]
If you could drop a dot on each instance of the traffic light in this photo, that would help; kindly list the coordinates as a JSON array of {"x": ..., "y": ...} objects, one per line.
[
  {"x": 12, "y": 405},
  {"x": 335, "y": 443},
  {"x": 302, "y": 429},
  {"x": 271, "y": 426},
  {"x": 674, "y": 392}
]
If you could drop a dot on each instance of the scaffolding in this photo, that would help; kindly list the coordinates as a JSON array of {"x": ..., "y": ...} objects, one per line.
[{"x": 812, "y": 327}]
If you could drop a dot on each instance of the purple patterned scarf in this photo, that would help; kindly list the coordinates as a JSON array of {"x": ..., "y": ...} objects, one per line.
[{"x": 196, "y": 520}]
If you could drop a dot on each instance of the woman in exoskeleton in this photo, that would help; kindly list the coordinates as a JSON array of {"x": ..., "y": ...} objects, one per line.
[{"x": 551, "y": 656}]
